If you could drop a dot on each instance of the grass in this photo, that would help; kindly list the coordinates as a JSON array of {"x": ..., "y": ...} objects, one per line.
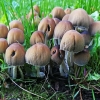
[{"x": 10, "y": 10}]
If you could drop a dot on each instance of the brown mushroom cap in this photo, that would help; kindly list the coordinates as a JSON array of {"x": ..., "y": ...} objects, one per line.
[
  {"x": 58, "y": 12},
  {"x": 36, "y": 8},
  {"x": 15, "y": 55},
  {"x": 94, "y": 28},
  {"x": 36, "y": 37},
  {"x": 67, "y": 10},
  {"x": 15, "y": 35},
  {"x": 56, "y": 20},
  {"x": 3, "y": 45},
  {"x": 72, "y": 41},
  {"x": 3, "y": 31},
  {"x": 82, "y": 58},
  {"x": 65, "y": 18},
  {"x": 38, "y": 54},
  {"x": 61, "y": 28},
  {"x": 57, "y": 55},
  {"x": 79, "y": 17},
  {"x": 16, "y": 24},
  {"x": 47, "y": 26}
]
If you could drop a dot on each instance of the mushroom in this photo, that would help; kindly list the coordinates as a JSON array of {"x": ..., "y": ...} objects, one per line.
[
  {"x": 68, "y": 10},
  {"x": 15, "y": 57},
  {"x": 58, "y": 12},
  {"x": 65, "y": 18},
  {"x": 80, "y": 19},
  {"x": 72, "y": 42},
  {"x": 61, "y": 28},
  {"x": 56, "y": 20},
  {"x": 47, "y": 26},
  {"x": 38, "y": 55},
  {"x": 82, "y": 58},
  {"x": 36, "y": 37},
  {"x": 3, "y": 31},
  {"x": 36, "y": 8},
  {"x": 15, "y": 35},
  {"x": 16, "y": 24},
  {"x": 91, "y": 19},
  {"x": 57, "y": 56},
  {"x": 3, "y": 45},
  {"x": 94, "y": 28}
]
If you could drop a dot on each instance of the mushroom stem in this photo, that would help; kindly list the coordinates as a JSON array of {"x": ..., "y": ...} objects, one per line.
[
  {"x": 57, "y": 42},
  {"x": 21, "y": 73},
  {"x": 46, "y": 40},
  {"x": 14, "y": 72},
  {"x": 39, "y": 74}
]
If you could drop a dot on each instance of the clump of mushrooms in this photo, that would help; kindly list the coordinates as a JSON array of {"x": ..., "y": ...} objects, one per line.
[
  {"x": 38, "y": 55},
  {"x": 3, "y": 31},
  {"x": 15, "y": 57}
]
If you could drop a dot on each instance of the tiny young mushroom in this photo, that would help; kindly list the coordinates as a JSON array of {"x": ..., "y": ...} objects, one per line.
[
  {"x": 36, "y": 8},
  {"x": 82, "y": 58},
  {"x": 58, "y": 12},
  {"x": 3, "y": 31},
  {"x": 15, "y": 35},
  {"x": 38, "y": 55},
  {"x": 80, "y": 19},
  {"x": 72, "y": 42},
  {"x": 16, "y": 24},
  {"x": 15, "y": 57},
  {"x": 3, "y": 45},
  {"x": 94, "y": 28},
  {"x": 47, "y": 26},
  {"x": 60, "y": 29},
  {"x": 36, "y": 37},
  {"x": 68, "y": 10}
]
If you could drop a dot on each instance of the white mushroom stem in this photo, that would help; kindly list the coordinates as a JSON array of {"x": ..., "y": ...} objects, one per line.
[
  {"x": 14, "y": 72},
  {"x": 64, "y": 67},
  {"x": 46, "y": 40},
  {"x": 39, "y": 74},
  {"x": 57, "y": 42},
  {"x": 21, "y": 72}
]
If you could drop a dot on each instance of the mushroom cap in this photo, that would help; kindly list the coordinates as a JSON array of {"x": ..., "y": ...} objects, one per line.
[
  {"x": 56, "y": 20},
  {"x": 67, "y": 10},
  {"x": 15, "y": 55},
  {"x": 79, "y": 17},
  {"x": 94, "y": 28},
  {"x": 3, "y": 45},
  {"x": 57, "y": 55},
  {"x": 3, "y": 31},
  {"x": 87, "y": 37},
  {"x": 82, "y": 58},
  {"x": 58, "y": 12},
  {"x": 61, "y": 28},
  {"x": 47, "y": 26},
  {"x": 16, "y": 24},
  {"x": 15, "y": 35},
  {"x": 36, "y": 8},
  {"x": 38, "y": 54},
  {"x": 65, "y": 18},
  {"x": 36, "y": 37},
  {"x": 72, "y": 41}
]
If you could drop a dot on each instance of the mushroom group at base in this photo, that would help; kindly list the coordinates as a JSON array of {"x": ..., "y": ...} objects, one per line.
[{"x": 38, "y": 55}]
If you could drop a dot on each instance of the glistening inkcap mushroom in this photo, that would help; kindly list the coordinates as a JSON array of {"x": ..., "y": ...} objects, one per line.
[
  {"x": 3, "y": 31},
  {"x": 38, "y": 55},
  {"x": 15, "y": 57}
]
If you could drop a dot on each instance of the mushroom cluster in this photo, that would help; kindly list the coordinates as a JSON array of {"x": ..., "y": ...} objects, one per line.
[{"x": 70, "y": 30}]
